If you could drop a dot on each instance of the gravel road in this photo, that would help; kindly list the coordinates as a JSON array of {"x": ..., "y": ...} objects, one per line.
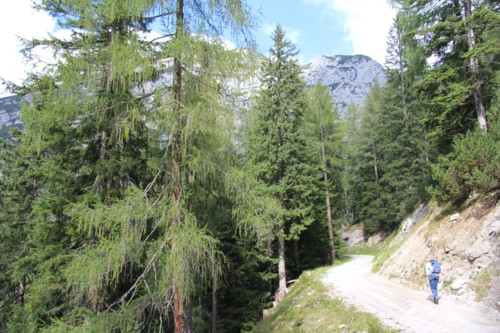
[{"x": 404, "y": 308}]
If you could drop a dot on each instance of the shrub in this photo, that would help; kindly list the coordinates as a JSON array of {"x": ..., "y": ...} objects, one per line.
[{"x": 472, "y": 166}]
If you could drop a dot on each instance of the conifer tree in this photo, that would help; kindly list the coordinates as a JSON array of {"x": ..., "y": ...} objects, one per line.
[
  {"x": 114, "y": 240},
  {"x": 366, "y": 194},
  {"x": 453, "y": 88},
  {"x": 325, "y": 126},
  {"x": 279, "y": 152},
  {"x": 350, "y": 126}
]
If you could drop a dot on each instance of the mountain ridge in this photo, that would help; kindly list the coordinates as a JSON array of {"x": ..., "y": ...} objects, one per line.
[{"x": 349, "y": 78}]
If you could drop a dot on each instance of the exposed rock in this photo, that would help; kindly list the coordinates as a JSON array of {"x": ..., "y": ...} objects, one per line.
[
  {"x": 430, "y": 241},
  {"x": 459, "y": 283},
  {"x": 478, "y": 249},
  {"x": 375, "y": 239},
  {"x": 353, "y": 235},
  {"x": 349, "y": 78},
  {"x": 416, "y": 217},
  {"x": 9, "y": 115}
]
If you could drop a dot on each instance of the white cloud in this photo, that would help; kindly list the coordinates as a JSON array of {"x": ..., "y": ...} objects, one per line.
[
  {"x": 367, "y": 23},
  {"x": 19, "y": 19}
]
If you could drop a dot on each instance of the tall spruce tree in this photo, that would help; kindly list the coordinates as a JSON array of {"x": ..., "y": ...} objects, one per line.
[
  {"x": 403, "y": 146},
  {"x": 279, "y": 153},
  {"x": 350, "y": 126}
]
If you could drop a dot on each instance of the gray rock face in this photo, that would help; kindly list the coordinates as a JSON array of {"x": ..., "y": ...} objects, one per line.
[
  {"x": 349, "y": 78},
  {"x": 9, "y": 115}
]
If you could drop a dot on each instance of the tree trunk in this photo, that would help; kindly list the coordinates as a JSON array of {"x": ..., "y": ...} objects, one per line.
[
  {"x": 327, "y": 195},
  {"x": 214, "y": 305},
  {"x": 20, "y": 291},
  {"x": 281, "y": 263},
  {"x": 296, "y": 253},
  {"x": 402, "y": 69},
  {"x": 182, "y": 319},
  {"x": 474, "y": 67},
  {"x": 375, "y": 167},
  {"x": 346, "y": 202}
]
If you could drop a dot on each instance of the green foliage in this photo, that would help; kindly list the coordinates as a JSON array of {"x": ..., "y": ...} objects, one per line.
[
  {"x": 281, "y": 155},
  {"x": 472, "y": 166},
  {"x": 101, "y": 244}
]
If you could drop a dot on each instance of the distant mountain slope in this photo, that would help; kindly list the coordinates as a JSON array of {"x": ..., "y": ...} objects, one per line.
[
  {"x": 9, "y": 115},
  {"x": 349, "y": 78}
]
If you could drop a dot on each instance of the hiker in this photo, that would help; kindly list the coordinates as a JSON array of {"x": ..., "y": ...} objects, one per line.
[{"x": 433, "y": 269}]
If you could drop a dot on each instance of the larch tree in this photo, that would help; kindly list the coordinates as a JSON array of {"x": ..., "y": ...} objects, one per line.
[
  {"x": 325, "y": 126},
  {"x": 112, "y": 239},
  {"x": 365, "y": 152}
]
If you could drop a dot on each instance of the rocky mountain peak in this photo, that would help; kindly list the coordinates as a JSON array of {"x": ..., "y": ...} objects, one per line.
[{"x": 349, "y": 78}]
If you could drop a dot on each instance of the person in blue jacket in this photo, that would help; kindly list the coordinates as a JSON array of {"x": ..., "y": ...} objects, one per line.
[{"x": 433, "y": 278}]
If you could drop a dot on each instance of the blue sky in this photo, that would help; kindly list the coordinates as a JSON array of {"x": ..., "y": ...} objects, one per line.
[
  {"x": 326, "y": 27},
  {"x": 314, "y": 30},
  {"x": 317, "y": 27}
]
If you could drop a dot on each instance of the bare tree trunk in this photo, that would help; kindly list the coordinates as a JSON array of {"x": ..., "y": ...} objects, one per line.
[
  {"x": 327, "y": 195},
  {"x": 375, "y": 167},
  {"x": 281, "y": 263},
  {"x": 20, "y": 291},
  {"x": 214, "y": 304},
  {"x": 182, "y": 308},
  {"x": 474, "y": 66}
]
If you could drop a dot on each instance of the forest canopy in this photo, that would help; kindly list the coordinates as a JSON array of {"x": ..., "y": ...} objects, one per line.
[{"x": 153, "y": 188}]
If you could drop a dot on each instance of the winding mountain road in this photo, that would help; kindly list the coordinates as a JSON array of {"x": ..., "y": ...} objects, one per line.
[{"x": 404, "y": 308}]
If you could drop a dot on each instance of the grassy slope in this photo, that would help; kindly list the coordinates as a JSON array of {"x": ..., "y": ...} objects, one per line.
[{"x": 308, "y": 308}]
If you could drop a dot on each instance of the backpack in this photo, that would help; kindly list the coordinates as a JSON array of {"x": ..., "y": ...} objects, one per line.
[{"x": 436, "y": 267}]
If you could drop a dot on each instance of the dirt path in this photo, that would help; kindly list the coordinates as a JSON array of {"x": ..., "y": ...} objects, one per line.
[{"x": 404, "y": 308}]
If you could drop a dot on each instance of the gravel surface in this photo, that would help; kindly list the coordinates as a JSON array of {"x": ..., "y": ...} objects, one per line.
[{"x": 404, "y": 308}]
